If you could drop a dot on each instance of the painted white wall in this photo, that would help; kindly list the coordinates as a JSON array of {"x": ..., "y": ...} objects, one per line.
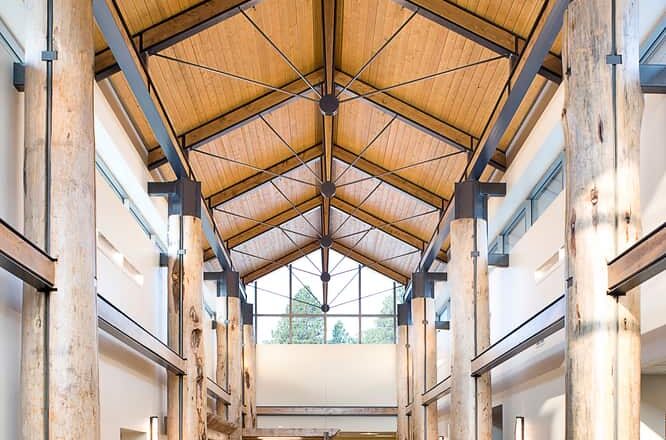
[
  {"x": 327, "y": 375},
  {"x": 11, "y": 210}
]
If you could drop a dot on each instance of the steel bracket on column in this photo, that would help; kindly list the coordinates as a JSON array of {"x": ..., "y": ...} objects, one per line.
[
  {"x": 228, "y": 282},
  {"x": 443, "y": 325},
  {"x": 247, "y": 313},
  {"x": 405, "y": 314},
  {"x": 472, "y": 198},
  {"x": 498, "y": 260},
  {"x": 183, "y": 194},
  {"x": 423, "y": 283}
]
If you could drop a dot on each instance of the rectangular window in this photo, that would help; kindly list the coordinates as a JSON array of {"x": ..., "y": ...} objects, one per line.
[
  {"x": 515, "y": 231},
  {"x": 547, "y": 192}
]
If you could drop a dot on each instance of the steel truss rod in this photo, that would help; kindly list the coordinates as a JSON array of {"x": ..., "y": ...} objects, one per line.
[
  {"x": 280, "y": 53},
  {"x": 424, "y": 78},
  {"x": 305, "y": 271},
  {"x": 378, "y": 52},
  {"x": 369, "y": 295},
  {"x": 345, "y": 286},
  {"x": 307, "y": 288},
  {"x": 252, "y": 167},
  {"x": 357, "y": 207},
  {"x": 259, "y": 222},
  {"x": 403, "y": 168},
  {"x": 287, "y": 297},
  {"x": 349, "y": 251},
  {"x": 383, "y": 225},
  {"x": 286, "y": 144},
  {"x": 297, "y": 248},
  {"x": 384, "y": 260},
  {"x": 360, "y": 155},
  {"x": 248, "y": 254},
  {"x": 295, "y": 208},
  {"x": 233, "y": 76}
]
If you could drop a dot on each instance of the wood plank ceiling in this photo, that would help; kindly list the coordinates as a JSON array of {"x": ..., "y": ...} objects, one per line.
[{"x": 415, "y": 83}]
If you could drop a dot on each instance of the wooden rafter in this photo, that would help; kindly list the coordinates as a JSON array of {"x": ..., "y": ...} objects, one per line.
[
  {"x": 236, "y": 118},
  {"x": 482, "y": 31},
  {"x": 418, "y": 118},
  {"x": 381, "y": 224},
  {"x": 168, "y": 32},
  {"x": 328, "y": 10},
  {"x": 394, "y": 180},
  {"x": 289, "y": 257},
  {"x": 255, "y": 180},
  {"x": 276, "y": 220},
  {"x": 367, "y": 261}
]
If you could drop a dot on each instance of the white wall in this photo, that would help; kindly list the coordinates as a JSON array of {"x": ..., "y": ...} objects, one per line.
[
  {"x": 11, "y": 210},
  {"x": 327, "y": 375}
]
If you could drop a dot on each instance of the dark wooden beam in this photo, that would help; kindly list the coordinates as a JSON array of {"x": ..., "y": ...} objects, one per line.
[
  {"x": 482, "y": 32},
  {"x": 258, "y": 179},
  {"x": 373, "y": 264},
  {"x": 394, "y": 180},
  {"x": 237, "y": 117},
  {"x": 290, "y": 257},
  {"x": 276, "y": 220},
  {"x": 172, "y": 30},
  {"x": 438, "y": 391},
  {"x": 22, "y": 258},
  {"x": 418, "y": 119},
  {"x": 643, "y": 260},
  {"x": 327, "y": 411},
  {"x": 328, "y": 13}
]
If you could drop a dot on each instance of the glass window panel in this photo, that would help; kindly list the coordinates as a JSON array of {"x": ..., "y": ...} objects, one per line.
[
  {"x": 272, "y": 330},
  {"x": 307, "y": 330},
  {"x": 272, "y": 292},
  {"x": 342, "y": 330},
  {"x": 343, "y": 293},
  {"x": 377, "y": 330},
  {"x": 378, "y": 303},
  {"x": 547, "y": 194},
  {"x": 307, "y": 293},
  {"x": 310, "y": 263},
  {"x": 515, "y": 232}
]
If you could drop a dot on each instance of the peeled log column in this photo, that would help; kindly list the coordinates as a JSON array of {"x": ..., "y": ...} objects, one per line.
[
  {"x": 73, "y": 351},
  {"x": 402, "y": 379},
  {"x": 221, "y": 362},
  {"x": 249, "y": 368},
  {"x": 602, "y": 118},
  {"x": 471, "y": 403},
  {"x": 185, "y": 312},
  {"x": 235, "y": 367},
  {"x": 424, "y": 362},
  {"x": 33, "y": 322}
]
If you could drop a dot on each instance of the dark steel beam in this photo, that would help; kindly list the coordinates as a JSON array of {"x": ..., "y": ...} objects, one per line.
[
  {"x": 643, "y": 260},
  {"x": 482, "y": 31},
  {"x": 653, "y": 78},
  {"x": 538, "y": 327},
  {"x": 173, "y": 30},
  {"x": 437, "y": 392},
  {"x": 24, "y": 259},
  {"x": 112, "y": 27},
  {"x": 116, "y": 323},
  {"x": 543, "y": 35}
]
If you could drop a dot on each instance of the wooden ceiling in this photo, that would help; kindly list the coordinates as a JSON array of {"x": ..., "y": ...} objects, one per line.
[{"x": 417, "y": 82}]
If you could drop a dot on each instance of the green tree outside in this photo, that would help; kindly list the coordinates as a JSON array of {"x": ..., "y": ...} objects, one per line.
[
  {"x": 383, "y": 331},
  {"x": 305, "y": 330}
]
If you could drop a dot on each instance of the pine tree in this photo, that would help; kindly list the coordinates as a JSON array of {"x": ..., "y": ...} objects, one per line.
[
  {"x": 340, "y": 335},
  {"x": 383, "y": 332},
  {"x": 305, "y": 330}
]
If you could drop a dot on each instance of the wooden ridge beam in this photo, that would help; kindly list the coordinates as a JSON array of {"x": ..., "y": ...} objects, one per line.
[
  {"x": 290, "y": 257},
  {"x": 380, "y": 224},
  {"x": 260, "y": 178},
  {"x": 544, "y": 34},
  {"x": 276, "y": 220},
  {"x": 394, "y": 180},
  {"x": 22, "y": 258},
  {"x": 367, "y": 261},
  {"x": 483, "y": 32},
  {"x": 220, "y": 125},
  {"x": 172, "y": 30},
  {"x": 418, "y": 119},
  {"x": 327, "y": 411}
]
